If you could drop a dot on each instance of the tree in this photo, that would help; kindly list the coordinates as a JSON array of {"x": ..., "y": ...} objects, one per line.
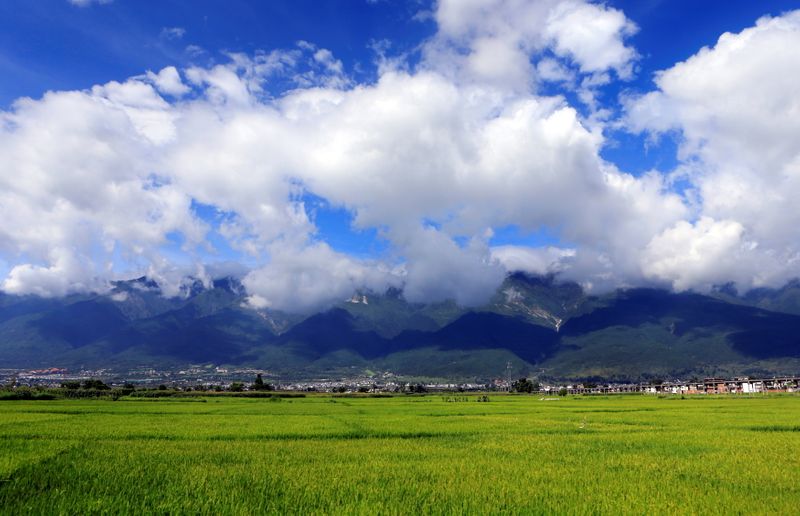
[
  {"x": 71, "y": 385},
  {"x": 522, "y": 385},
  {"x": 562, "y": 391},
  {"x": 236, "y": 387},
  {"x": 95, "y": 384},
  {"x": 259, "y": 384}
]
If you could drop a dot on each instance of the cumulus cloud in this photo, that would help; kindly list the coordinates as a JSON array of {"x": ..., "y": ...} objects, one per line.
[
  {"x": 592, "y": 36},
  {"x": 433, "y": 161},
  {"x": 438, "y": 268},
  {"x": 66, "y": 273},
  {"x": 307, "y": 279},
  {"x": 498, "y": 41},
  {"x": 168, "y": 81},
  {"x": 735, "y": 106},
  {"x": 78, "y": 185},
  {"x": 432, "y": 156},
  {"x": 703, "y": 254},
  {"x": 533, "y": 260}
]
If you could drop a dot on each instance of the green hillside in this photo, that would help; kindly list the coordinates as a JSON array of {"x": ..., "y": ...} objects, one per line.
[{"x": 537, "y": 324}]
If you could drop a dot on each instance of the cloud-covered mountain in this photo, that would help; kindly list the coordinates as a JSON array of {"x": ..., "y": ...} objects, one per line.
[{"x": 539, "y": 324}]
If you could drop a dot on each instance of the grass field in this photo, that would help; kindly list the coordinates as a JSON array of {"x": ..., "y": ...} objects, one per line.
[{"x": 404, "y": 455}]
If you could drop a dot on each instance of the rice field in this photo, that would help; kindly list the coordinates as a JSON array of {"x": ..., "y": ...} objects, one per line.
[{"x": 402, "y": 455}]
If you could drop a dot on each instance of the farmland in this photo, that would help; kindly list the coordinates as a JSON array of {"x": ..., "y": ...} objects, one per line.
[{"x": 413, "y": 454}]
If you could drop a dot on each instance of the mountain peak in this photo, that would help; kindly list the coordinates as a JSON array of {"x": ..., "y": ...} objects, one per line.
[
  {"x": 358, "y": 299},
  {"x": 229, "y": 284}
]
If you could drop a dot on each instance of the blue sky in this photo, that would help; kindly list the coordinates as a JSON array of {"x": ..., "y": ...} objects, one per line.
[
  {"x": 52, "y": 44},
  {"x": 56, "y": 45}
]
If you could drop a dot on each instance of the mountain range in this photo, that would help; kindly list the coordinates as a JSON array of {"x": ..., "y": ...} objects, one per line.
[{"x": 533, "y": 325}]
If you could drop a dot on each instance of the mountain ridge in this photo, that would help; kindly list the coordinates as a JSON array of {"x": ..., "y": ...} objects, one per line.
[{"x": 537, "y": 324}]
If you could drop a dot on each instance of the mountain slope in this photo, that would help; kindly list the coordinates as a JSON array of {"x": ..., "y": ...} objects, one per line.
[
  {"x": 535, "y": 324},
  {"x": 645, "y": 332},
  {"x": 541, "y": 299}
]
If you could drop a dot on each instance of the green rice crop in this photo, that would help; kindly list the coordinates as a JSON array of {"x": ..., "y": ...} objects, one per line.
[{"x": 402, "y": 455}]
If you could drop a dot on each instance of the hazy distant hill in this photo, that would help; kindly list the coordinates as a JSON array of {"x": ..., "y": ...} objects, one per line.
[
  {"x": 538, "y": 325},
  {"x": 785, "y": 299}
]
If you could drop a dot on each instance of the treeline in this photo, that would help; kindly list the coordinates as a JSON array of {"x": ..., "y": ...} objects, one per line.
[
  {"x": 95, "y": 388},
  {"x": 524, "y": 385}
]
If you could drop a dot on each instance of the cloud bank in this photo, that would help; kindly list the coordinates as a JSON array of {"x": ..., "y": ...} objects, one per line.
[
  {"x": 735, "y": 107},
  {"x": 433, "y": 156}
]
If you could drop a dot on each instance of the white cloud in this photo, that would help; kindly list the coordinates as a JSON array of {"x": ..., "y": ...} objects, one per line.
[
  {"x": 194, "y": 50},
  {"x": 119, "y": 297},
  {"x": 325, "y": 57},
  {"x": 432, "y": 157},
  {"x": 437, "y": 268},
  {"x": 416, "y": 148},
  {"x": 149, "y": 114},
  {"x": 430, "y": 161},
  {"x": 497, "y": 41},
  {"x": 87, "y": 3},
  {"x": 172, "y": 32},
  {"x": 549, "y": 69},
  {"x": 66, "y": 274},
  {"x": 310, "y": 278},
  {"x": 538, "y": 260},
  {"x": 736, "y": 107},
  {"x": 79, "y": 188},
  {"x": 592, "y": 36},
  {"x": 710, "y": 252},
  {"x": 168, "y": 81}
]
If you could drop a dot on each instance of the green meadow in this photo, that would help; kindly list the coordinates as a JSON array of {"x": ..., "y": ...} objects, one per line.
[{"x": 402, "y": 455}]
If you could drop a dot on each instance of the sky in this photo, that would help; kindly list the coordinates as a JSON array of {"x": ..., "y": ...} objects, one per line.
[{"x": 317, "y": 148}]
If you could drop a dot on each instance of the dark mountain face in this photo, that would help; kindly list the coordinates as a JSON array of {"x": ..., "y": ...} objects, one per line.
[
  {"x": 223, "y": 337},
  {"x": 484, "y": 330},
  {"x": 133, "y": 323},
  {"x": 785, "y": 299},
  {"x": 541, "y": 300},
  {"x": 82, "y": 322},
  {"x": 538, "y": 323},
  {"x": 19, "y": 306},
  {"x": 752, "y": 332},
  {"x": 332, "y": 331}
]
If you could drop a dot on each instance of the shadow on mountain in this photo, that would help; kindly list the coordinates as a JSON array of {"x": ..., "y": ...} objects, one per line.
[
  {"x": 483, "y": 330},
  {"x": 223, "y": 337},
  {"x": 81, "y": 323},
  {"x": 17, "y": 306},
  {"x": 331, "y": 331},
  {"x": 751, "y": 331},
  {"x": 334, "y": 330}
]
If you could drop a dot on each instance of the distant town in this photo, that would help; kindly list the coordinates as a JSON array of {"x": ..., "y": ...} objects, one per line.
[{"x": 223, "y": 378}]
